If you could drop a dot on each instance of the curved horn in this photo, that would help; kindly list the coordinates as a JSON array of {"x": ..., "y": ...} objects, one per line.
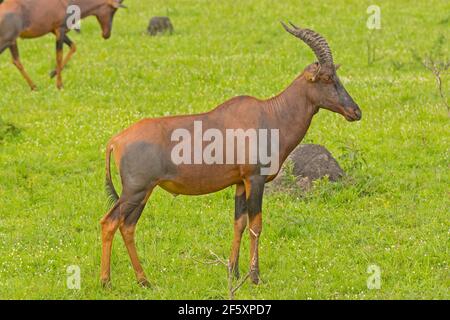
[{"x": 315, "y": 41}]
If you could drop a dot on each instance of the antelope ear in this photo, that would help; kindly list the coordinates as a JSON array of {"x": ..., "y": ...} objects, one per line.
[
  {"x": 312, "y": 72},
  {"x": 310, "y": 76},
  {"x": 117, "y": 4}
]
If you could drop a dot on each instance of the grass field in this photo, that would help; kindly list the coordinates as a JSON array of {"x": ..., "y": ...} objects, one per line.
[{"x": 392, "y": 210}]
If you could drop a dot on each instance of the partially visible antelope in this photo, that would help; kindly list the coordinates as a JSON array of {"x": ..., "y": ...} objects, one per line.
[
  {"x": 143, "y": 152},
  {"x": 32, "y": 19}
]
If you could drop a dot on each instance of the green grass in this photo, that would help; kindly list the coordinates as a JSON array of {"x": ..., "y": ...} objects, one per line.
[{"x": 392, "y": 210}]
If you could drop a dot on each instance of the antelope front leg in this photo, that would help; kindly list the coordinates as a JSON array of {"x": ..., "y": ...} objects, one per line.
[
  {"x": 254, "y": 187},
  {"x": 73, "y": 49},
  {"x": 16, "y": 60},
  {"x": 255, "y": 229},
  {"x": 240, "y": 223}
]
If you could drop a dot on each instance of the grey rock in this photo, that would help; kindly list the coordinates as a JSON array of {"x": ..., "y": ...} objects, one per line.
[
  {"x": 159, "y": 25},
  {"x": 309, "y": 162}
]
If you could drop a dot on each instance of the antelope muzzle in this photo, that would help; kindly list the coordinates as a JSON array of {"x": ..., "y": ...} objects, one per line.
[{"x": 349, "y": 108}]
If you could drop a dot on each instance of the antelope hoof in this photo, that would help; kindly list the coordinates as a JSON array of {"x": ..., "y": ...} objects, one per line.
[
  {"x": 254, "y": 276},
  {"x": 33, "y": 88},
  {"x": 60, "y": 86},
  {"x": 106, "y": 283},
  {"x": 144, "y": 283}
]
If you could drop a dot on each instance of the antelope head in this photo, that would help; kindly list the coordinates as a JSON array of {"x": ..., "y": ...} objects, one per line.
[
  {"x": 105, "y": 15},
  {"x": 325, "y": 89}
]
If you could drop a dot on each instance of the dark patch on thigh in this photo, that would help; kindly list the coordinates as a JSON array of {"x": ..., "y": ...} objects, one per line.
[
  {"x": 143, "y": 164},
  {"x": 10, "y": 27}
]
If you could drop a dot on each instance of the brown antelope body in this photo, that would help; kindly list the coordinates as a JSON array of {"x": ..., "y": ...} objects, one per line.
[
  {"x": 32, "y": 19},
  {"x": 143, "y": 155}
]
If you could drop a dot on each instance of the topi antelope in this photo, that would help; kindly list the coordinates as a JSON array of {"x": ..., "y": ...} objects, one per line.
[
  {"x": 142, "y": 154},
  {"x": 32, "y": 19}
]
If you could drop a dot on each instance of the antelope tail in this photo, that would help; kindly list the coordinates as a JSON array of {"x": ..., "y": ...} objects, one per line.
[{"x": 109, "y": 186}]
